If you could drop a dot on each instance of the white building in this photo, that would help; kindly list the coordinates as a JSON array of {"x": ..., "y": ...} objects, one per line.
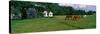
[
  {"x": 50, "y": 14},
  {"x": 45, "y": 14}
]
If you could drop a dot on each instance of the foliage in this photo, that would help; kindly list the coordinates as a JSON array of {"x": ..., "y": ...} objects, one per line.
[{"x": 22, "y": 6}]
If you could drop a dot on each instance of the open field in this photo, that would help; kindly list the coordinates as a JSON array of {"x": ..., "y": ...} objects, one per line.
[{"x": 51, "y": 24}]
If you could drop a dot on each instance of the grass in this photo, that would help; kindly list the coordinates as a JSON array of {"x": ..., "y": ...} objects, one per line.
[{"x": 51, "y": 24}]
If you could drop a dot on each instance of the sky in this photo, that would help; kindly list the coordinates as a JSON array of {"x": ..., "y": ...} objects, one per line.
[{"x": 80, "y": 6}]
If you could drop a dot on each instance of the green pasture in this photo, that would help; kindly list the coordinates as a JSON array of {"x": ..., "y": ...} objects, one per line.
[{"x": 51, "y": 24}]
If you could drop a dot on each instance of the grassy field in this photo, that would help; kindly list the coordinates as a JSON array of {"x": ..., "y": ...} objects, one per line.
[{"x": 51, "y": 24}]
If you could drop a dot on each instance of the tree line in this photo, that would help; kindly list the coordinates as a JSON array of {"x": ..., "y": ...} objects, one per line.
[{"x": 21, "y": 7}]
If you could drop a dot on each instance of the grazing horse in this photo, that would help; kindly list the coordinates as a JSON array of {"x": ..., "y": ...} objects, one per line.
[
  {"x": 68, "y": 17},
  {"x": 72, "y": 17},
  {"x": 76, "y": 17}
]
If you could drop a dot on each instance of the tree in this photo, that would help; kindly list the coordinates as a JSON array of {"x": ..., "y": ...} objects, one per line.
[{"x": 90, "y": 12}]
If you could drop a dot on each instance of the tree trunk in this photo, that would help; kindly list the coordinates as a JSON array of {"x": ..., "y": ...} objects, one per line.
[{"x": 23, "y": 13}]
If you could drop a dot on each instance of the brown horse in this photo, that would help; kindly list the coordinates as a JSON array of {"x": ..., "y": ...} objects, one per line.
[
  {"x": 76, "y": 17},
  {"x": 72, "y": 17},
  {"x": 68, "y": 17}
]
